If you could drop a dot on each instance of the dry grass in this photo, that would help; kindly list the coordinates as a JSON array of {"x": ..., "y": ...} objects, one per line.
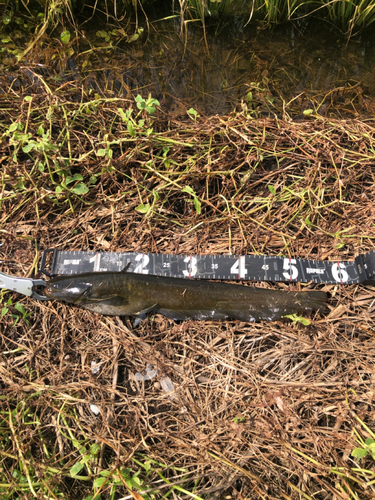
[{"x": 259, "y": 410}]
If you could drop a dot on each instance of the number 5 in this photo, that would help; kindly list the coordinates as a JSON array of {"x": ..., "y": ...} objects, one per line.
[{"x": 292, "y": 270}]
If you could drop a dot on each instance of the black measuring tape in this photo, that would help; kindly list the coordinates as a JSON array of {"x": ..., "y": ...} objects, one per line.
[{"x": 215, "y": 267}]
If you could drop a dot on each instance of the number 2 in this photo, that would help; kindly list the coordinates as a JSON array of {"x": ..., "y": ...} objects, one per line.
[{"x": 145, "y": 259}]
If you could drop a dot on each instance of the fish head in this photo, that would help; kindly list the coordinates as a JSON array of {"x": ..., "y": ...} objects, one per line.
[{"x": 69, "y": 289}]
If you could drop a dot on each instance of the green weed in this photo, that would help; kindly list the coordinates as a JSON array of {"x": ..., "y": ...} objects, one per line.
[
  {"x": 196, "y": 201},
  {"x": 9, "y": 309},
  {"x": 356, "y": 479},
  {"x": 298, "y": 319},
  {"x": 149, "y": 104},
  {"x": 193, "y": 114}
]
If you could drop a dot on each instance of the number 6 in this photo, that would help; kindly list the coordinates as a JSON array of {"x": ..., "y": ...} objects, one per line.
[{"x": 339, "y": 269}]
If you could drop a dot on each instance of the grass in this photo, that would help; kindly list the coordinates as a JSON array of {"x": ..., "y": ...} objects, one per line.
[{"x": 262, "y": 410}]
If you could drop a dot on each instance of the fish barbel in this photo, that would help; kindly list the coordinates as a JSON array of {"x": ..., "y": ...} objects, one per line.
[{"x": 128, "y": 294}]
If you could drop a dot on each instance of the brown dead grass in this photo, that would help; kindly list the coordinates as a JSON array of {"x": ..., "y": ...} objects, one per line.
[{"x": 259, "y": 410}]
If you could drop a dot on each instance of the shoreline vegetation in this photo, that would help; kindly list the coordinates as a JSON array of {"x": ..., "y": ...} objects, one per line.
[
  {"x": 279, "y": 410},
  {"x": 349, "y": 16}
]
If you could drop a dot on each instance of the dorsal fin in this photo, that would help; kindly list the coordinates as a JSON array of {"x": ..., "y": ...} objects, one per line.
[{"x": 126, "y": 268}]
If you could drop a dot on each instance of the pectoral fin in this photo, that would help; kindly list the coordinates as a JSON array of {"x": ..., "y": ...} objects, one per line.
[{"x": 143, "y": 312}]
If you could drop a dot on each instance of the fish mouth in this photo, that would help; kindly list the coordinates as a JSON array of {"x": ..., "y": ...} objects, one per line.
[{"x": 54, "y": 292}]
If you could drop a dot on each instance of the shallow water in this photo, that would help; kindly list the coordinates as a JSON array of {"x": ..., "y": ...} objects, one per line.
[{"x": 295, "y": 66}]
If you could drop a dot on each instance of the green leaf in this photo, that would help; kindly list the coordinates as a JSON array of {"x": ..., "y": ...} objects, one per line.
[
  {"x": 86, "y": 459},
  {"x": 188, "y": 189},
  {"x": 95, "y": 448},
  {"x": 272, "y": 189},
  {"x": 105, "y": 473},
  {"x": 7, "y": 19},
  {"x": 134, "y": 483},
  {"x": 197, "y": 205},
  {"x": 125, "y": 473},
  {"x": 65, "y": 37},
  {"x": 19, "y": 307},
  {"x": 131, "y": 129},
  {"x": 80, "y": 188},
  {"x": 102, "y": 34},
  {"x": 133, "y": 38},
  {"x": 308, "y": 112},
  {"x": 304, "y": 321},
  {"x": 76, "y": 177},
  {"x": 76, "y": 469},
  {"x": 143, "y": 209},
  {"x": 370, "y": 442},
  {"x": 298, "y": 319},
  {"x": 122, "y": 114},
  {"x": 193, "y": 113},
  {"x": 99, "y": 481},
  {"x": 28, "y": 147},
  {"x": 76, "y": 444},
  {"x": 249, "y": 97},
  {"x": 101, "y": 152},
  {"x": 359, "y": 452},
  {"x": 13, "y": 126},
  {"x": 4, "y": 310}
]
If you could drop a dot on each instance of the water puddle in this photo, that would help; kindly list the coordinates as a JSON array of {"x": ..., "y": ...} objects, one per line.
[{"x": 293, "y": 67}]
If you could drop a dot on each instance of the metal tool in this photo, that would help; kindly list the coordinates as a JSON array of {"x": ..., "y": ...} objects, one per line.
[{"x": 26, "y": 286}]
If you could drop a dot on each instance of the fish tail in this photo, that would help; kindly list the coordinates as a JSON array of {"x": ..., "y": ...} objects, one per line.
[{"x": 311, "y": 300}]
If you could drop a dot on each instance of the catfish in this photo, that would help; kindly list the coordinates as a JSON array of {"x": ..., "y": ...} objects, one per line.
[{"x": 129, "y": 294}]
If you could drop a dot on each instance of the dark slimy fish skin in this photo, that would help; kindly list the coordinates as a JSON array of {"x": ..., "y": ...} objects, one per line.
[{"x": 128, "y": 294}]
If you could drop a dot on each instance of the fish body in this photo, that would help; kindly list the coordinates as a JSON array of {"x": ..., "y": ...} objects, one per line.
[{"x": 128, "y": 294}]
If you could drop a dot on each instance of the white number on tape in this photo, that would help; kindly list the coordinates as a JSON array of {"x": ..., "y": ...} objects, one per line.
[
  {"x": 291, "y": 272},
  {"x": 141, "y": 268},
  {"x": 339, "y": 272}
]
